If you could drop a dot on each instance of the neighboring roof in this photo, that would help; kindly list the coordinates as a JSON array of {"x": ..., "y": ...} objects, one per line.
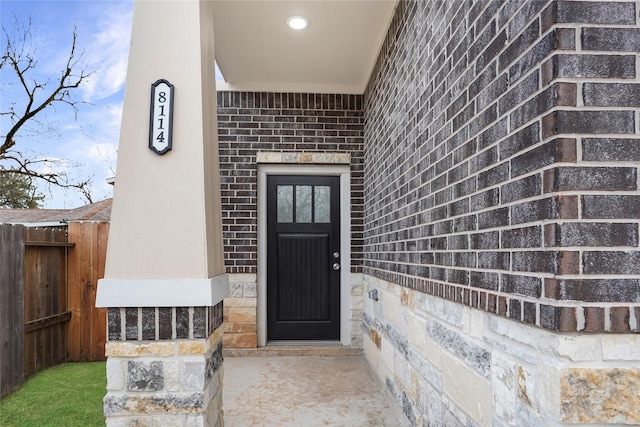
[{"x": 99, "y": 211}]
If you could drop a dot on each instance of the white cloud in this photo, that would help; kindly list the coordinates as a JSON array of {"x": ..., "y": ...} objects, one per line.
[{"x": 107, "y": 52}]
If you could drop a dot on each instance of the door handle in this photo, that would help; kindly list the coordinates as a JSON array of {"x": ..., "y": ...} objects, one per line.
[{"x": 336, "y": 266}]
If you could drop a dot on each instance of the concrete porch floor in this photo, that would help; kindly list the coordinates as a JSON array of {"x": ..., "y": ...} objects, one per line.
[{"x": 306, "y": 391}]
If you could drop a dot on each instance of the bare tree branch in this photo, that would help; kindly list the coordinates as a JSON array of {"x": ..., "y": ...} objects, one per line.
[{"x": 20, "y": 57}]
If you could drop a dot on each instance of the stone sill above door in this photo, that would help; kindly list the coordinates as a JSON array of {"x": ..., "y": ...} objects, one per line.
[{"x": 304, "y": 158}]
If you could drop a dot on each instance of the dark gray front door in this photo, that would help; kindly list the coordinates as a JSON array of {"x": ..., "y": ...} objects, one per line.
[{"x": 303, "y": 258}]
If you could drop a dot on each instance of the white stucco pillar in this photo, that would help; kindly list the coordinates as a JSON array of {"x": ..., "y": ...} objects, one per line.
[{"x": 164, "y": 280}]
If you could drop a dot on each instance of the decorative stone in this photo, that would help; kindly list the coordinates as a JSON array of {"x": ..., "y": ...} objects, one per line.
[
  {"x": 241, "y": 314},
  {"x": 199, "y": 322},
  {"x": 357, "y": 305},
  {"x": 170, "y": 420},
  {"x": 600, "y": 395},
  {"x": 116, "y": 405},
  {"x": 131, "y": 323},
  {"x": 115, "y": 374},
  {"x": 407, "y": 297},
  {"x": 117, "y": 422},
  {"x": 526, "y": 417},
  {"x": 114, "y": 324},
  {"x": 343, "y": 158},
  {"x": 165, "y": 323},
  {"x": 130, "y": 349},
  {"x": 579, "y": 348},
  {"x": 182, "y": 322},
  {"x": 397, "y": 339},
  {"x": 621, "y": 347},
  {"x": 470, "y": 391},
  {"x": 473, "y": 355},
  {"x": 235, "y": 290},
  {"x": 289, "y": 158},
  {"x": 426, "y": 370},
  {"x": 528, "y": 392},
  {"x": 268, "y": 157},
  {"x": 503, "y": 382},
  {"x": 171, "y": 376},
  {"x": 239, "y": 327},
  {"x": 193, "y": 376},
  {"x": 192, "y": 347},
  {"x": 240, "y": 340},
  {"x": 214, "y": 362},
  {"x": 402, "y": 373},
  {"x": 145, "y": 376},
  {"x": 305, "y": 158},
  {"x": 375, "y": 337},
  {"x": 195, "y": 421},
  {"x": 240, "y": 302},
  {"x": 430, "y": 402},
  {"x": 148, "y": 323},
  {"x": 250, "y": 290},
  {"x": 320, "y": 158}
]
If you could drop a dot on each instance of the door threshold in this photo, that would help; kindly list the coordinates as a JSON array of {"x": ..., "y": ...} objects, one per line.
[
  {"x": 301, "y": 343},
  {"x": 288, "y": 348}
]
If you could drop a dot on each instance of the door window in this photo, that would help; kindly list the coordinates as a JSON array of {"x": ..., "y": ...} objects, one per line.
[{"x": 309, "y": 203}]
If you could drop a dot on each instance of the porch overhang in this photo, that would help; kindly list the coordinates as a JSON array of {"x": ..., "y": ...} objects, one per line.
[{"x": 256, "y": 50}]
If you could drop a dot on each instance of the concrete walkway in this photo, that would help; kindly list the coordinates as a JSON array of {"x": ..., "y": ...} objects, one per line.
[{"x": 306, "y": 391}]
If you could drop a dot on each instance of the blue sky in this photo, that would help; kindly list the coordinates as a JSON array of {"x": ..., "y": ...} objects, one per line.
[{"x": 87, "y": 145}]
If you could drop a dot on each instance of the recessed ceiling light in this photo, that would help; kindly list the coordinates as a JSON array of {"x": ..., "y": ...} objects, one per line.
[{"x": 298, "y": 22}]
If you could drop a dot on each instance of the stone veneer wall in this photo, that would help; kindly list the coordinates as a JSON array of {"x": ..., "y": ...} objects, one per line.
[
  {"x": 164, "y": 366},
  {"x": 280, "y": 128},
  {"x": 501, "y": 211},
  {"x": 449, "y": 364}
]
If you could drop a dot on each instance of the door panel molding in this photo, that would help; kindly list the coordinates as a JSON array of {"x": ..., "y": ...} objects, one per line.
[{"x": 345, "y": 240}]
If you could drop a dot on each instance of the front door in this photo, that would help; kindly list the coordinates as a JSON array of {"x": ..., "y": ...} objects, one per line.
[{"x": 303, "y": 257}]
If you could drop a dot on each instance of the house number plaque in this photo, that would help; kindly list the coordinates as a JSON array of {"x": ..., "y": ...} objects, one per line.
[{"x": 161, "y": 122}]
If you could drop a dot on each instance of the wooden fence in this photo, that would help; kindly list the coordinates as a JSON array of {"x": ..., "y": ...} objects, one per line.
[{"x": 48, "y": 279}]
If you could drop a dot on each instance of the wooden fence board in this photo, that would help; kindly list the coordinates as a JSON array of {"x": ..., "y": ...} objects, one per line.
[
  {"x": 87, "y": 329},
  {"x": 100, "y": 314},
  {"x": 11, "y": 308}
]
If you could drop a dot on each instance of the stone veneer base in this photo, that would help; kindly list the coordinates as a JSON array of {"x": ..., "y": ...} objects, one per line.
[
  {"x": 240, "y": 312},
  {"x": 173, "y": 382},
  {"x": 451, "y": 364}
]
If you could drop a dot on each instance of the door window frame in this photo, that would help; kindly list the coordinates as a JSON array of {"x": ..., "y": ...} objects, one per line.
[{"x": 344, "y": 172}]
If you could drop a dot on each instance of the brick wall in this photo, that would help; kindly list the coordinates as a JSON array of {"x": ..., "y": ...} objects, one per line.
[
  {"x": 501, "y": 163},
  {"x": 252, "y": 122}
]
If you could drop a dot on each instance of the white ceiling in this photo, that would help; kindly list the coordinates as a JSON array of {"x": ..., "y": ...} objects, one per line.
[{"x": 256, "y": 51}]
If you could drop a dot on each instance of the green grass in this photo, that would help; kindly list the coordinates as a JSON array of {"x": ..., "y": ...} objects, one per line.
[{"x": 66, "y": 395}]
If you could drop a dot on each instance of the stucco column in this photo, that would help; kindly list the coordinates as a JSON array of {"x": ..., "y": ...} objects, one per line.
[{"x": 164, "y": 280}]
